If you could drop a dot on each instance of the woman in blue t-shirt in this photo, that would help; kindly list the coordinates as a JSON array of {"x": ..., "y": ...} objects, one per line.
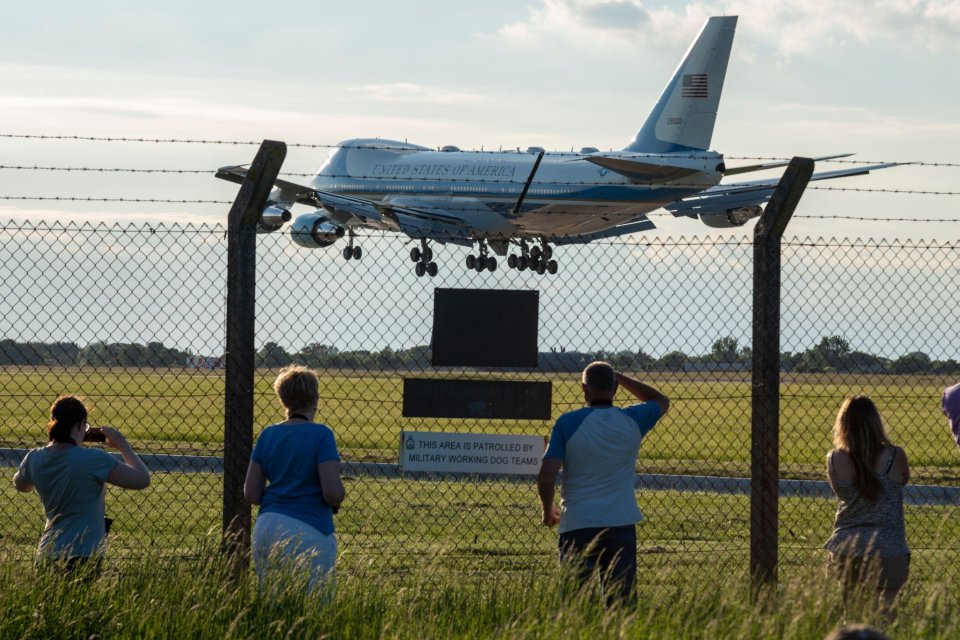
[
  {"x": 294, "y": 475},
  {"x": 71, "y": 482}
]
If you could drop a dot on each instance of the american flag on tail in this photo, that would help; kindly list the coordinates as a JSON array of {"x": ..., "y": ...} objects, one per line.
[{"x": 694, "y": 85}]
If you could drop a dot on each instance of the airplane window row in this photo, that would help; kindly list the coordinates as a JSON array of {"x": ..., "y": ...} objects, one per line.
[{"x": 460, "y": 189}]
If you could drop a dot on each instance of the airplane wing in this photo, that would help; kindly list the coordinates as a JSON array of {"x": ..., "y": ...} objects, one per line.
[
  {"x": 289, "y": 191},
  {"x": 416, "y": 222},
  {"x": 723, "y": 198}
]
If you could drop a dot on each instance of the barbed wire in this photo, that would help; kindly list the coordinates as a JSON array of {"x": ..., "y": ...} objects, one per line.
[
  {"x": 18, "y": 167},
  {"x": 462, "y": 209},
  {"x": 865, "y": 244},
  {"x": 882, "y": 190},
  {"x": 637, "y": 241},
  {"x": 97, "y": 199},
  {"x": 456, "y": 180},
  {"x": 305, "y": 145},
  {"x": 874, "y": 218}
]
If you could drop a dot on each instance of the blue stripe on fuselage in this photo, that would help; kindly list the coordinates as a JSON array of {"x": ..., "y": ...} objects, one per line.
[{"x": 545, "y": 193}]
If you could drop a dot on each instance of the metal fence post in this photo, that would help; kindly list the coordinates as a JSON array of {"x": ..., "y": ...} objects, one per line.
[
  {"x": 241, "y": 294},
  {"x": 765, "y": 425}
]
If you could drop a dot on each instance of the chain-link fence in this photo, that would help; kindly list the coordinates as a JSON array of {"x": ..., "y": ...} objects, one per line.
[{"x": 133, "y": 319}]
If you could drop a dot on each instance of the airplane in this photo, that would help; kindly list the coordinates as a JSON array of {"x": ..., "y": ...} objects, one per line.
[{"x": 527, "y": 202}]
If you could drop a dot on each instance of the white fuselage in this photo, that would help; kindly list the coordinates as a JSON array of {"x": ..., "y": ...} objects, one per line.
[{"x": 568, "y": 195}]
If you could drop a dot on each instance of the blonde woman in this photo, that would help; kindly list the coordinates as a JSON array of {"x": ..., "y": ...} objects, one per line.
[
  {"x": 294, "y": 475},
  {"x": 867, "y": 473}
]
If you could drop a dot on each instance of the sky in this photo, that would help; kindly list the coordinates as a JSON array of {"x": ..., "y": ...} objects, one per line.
[{"x": 805, "y": 78}]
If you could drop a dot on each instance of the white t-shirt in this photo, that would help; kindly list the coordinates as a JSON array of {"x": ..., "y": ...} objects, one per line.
[{"x": 598, "y": 447}]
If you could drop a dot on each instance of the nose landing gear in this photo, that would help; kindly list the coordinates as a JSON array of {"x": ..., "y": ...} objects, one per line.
[{"x": 351, "y": 251}]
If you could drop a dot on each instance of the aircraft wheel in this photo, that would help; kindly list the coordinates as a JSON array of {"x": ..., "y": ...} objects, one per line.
[
  {"x": 491, "y": 263},
  {"x": 432, "y": 269},
  {"x": 347, "y": 253},
  {"x": 414, "y": 255},
  {"x": 535, "y": 252},
  {"x": 512, "y": 261},
  {"x": 357, "y": 253},
  {"x": 521, "y": 263},
  {"x": 481, "y": 264},
  {"x": 420, "y": 269},
  {"x": 428, "y": 255},
  {"x": 547, "y": 252},
  {"x": 552, "y": 267},
  {"x": 541, "y": 267},
  {"x": 471, "y": 261}
]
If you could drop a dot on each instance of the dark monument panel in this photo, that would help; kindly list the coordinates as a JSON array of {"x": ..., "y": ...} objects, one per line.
[
  {"x": 485, "y": 328},
  {"x": 492, "y": 399}
]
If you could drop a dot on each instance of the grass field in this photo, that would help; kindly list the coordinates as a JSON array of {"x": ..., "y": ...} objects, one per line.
[
  {"x": 480, "y": 527},
  {"x": 707, "y": 431},
  {"x": 470, "y": 526}
]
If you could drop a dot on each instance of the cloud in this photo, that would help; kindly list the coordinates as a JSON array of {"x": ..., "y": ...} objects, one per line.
[
  {"x": 603, "y": 24},
  {"x": 789, "y": 26},
  {"x": 621, "y": 14},
  {"x": 413, "y": 93},
  {"x": 837, "y": 121},
  {"x": 213, "y": 118}
]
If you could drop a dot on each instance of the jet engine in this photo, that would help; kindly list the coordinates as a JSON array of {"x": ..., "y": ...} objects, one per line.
[
  {"x": 272, "y": 218},
  {"x": 314, "y": 230},
  {"x": 731, "y": 217}
]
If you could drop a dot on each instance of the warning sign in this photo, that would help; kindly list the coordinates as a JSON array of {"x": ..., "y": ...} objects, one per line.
[{"x": 440, "y": 452}]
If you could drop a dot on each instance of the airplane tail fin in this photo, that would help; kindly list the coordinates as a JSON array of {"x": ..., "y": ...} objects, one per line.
[{"x": 683, "y": 118}]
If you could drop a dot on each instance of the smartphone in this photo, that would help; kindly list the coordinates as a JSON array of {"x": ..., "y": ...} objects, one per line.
[{"x": 94, "y": 434}]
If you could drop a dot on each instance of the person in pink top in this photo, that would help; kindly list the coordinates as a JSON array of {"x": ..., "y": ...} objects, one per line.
[{"x": 951, "y": 408}]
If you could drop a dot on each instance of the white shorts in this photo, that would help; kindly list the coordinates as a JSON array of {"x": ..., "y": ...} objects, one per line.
[{"x": 286, "y": 549}]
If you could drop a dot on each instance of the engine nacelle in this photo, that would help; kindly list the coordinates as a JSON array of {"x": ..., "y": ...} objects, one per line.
[
  {"x": 731, "y": 217},
  {"x": 313, "y": 230},
  {"x": 272, "y": 218}
]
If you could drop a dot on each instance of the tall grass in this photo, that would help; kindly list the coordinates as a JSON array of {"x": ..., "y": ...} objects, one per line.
[{"x": 164, "y": 598}]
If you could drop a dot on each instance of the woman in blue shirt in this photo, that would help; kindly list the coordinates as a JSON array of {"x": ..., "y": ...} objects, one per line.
[{"x": 294, "y": 475}]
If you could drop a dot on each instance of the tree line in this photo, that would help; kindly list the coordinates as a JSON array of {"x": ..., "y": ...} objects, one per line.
[
  {"x": 95, "y": 354},
  {"x": 831, "y": 354}
]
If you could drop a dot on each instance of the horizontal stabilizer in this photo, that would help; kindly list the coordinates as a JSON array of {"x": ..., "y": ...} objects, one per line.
[
  {"x": 725, "y": 197},
  {"x": 773, "y": 165},
  {"x": 641, "y": 172}
]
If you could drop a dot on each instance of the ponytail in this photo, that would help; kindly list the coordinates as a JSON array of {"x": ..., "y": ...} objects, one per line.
[{"x": 65, "y": 413}]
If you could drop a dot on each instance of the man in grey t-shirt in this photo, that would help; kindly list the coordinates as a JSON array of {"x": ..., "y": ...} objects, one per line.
[{"x": 597, "y": 447}]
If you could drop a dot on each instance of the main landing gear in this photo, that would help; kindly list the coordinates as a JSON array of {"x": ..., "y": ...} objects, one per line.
[
  {"x": 423, "y": 256},
  {"x": 351, "y": 251},
  {"x": 535, "y": 258},
  {"x": 482, "y": 261}
]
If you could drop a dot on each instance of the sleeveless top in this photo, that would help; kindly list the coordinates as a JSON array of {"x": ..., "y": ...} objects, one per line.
[{"x": 869, "y": 527}]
